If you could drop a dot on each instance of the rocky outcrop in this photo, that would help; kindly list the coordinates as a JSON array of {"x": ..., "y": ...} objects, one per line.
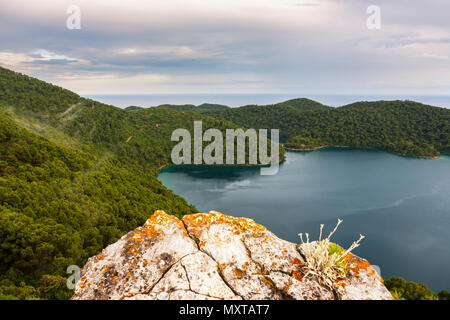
[{"x": 213, "y": 256}]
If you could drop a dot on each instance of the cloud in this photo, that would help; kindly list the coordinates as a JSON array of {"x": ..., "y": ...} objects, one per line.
[
  {"x": 432, "y": 56},
  {"x": 301, "y": 46}
]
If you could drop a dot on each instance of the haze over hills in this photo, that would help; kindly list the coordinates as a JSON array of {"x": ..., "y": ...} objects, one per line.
[{"x": 76, "y": 174}]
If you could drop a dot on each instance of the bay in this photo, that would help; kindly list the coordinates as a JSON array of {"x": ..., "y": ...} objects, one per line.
[{"x": 401, "y": 204}]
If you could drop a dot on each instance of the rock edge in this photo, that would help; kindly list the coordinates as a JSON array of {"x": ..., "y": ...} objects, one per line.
[{"x": 213, "y": 256}]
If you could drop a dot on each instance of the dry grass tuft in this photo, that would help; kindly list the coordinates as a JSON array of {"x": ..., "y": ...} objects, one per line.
[{"x": 326, "y": 261}]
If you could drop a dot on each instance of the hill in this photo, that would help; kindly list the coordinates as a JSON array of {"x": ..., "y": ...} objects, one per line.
[
  {"x": 131, "y": 108},
  {"x": 403, "y": 127},
  {"x": 75, "y": 175},
  {"x": 190, "y": 107}
]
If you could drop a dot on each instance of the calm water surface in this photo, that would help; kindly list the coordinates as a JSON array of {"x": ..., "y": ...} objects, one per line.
[{"x": 401, "y": 205}]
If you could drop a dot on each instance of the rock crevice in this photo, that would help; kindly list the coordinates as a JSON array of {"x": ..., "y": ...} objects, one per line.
[{"x": 212, "y": 256}]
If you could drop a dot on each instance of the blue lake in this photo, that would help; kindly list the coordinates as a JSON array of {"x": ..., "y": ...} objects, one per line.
[{"x": 401, "y": 204}]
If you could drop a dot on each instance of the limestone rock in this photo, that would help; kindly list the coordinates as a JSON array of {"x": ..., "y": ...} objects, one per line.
[{"x": 212, "y": 256}]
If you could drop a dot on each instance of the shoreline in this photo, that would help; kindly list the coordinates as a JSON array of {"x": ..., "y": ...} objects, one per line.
[
  {"x": 396, "y": 153},
  {"x": 298, "y": 150},
  {"x": 215, "y": 165}
]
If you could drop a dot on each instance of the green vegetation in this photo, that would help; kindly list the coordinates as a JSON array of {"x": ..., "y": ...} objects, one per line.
[
  {"x": 205, "y": 107},
  {"x": 76, "y": 174},
  {"x": 59, "y": 206},
  {"x": 131, "y": 108},
  {"x": 403, "y": 290},
  {"x": 324, "y": 260},
  {"x": 403, "y": 127}
]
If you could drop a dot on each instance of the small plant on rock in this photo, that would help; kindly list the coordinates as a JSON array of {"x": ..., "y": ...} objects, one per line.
[{"x": 325, "y": 260}]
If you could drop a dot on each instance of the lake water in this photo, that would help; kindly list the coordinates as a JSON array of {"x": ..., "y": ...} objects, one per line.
[{"x": 401, "y": 204}]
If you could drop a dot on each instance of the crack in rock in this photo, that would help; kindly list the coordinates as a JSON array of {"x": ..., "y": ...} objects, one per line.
[{"x": 212, "y": 256}]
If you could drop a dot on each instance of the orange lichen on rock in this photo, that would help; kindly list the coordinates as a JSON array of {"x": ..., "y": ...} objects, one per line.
[
  {"x": 154, "y": 225},
  {"x": 297, "y": 275},
  {"x": 341, "y": 283},
  {"x": 296, "y": 261},
  {"x": 195, "y": 222},
  {"x": 238, "y": 273},
  {"x": 138, "y": 236},
  {"x": 356, "y": 264}
]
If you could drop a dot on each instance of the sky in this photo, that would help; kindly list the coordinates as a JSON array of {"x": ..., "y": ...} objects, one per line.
[{"x": 231, "y": 46}]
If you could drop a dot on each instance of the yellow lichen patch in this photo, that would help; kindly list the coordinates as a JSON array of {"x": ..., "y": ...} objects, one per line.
[{"x": 196, "y": 222}]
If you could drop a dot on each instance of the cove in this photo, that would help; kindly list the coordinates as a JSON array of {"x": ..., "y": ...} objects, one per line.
[{"x": 401, "y": 204}]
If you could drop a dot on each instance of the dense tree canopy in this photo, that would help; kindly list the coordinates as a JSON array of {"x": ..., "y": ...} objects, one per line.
[
  {"x": 403, "y": 127},
  {"x": 76, "y": 174},
  {"x": 403, "y": 290}
]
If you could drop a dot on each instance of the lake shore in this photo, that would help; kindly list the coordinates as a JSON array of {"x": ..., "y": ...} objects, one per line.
[{"x": 331, "y": 146}]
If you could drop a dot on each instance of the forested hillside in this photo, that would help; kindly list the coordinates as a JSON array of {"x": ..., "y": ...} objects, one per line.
[
  {"x": 403, "y": 127},
  {"x": 75, "y": 175},
  {"x": 190, "y": 107}
]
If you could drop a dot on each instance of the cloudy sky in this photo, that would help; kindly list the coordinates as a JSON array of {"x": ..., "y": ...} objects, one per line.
[{"x": 231, "y": 46}]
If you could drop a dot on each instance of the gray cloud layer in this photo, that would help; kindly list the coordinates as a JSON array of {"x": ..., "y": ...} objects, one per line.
[{"x": 297, "y": 46}]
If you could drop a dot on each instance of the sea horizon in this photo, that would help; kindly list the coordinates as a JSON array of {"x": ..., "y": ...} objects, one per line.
[{"x": 240, "y": 99}]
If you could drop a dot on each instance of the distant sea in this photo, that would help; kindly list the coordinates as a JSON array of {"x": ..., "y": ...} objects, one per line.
[{"x": 236, "y": 100}]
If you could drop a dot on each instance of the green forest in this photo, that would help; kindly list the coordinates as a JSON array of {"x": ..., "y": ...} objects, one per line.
[
  {"x": 403, "y": 127},
  {"x": 77, "y": 174}
]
